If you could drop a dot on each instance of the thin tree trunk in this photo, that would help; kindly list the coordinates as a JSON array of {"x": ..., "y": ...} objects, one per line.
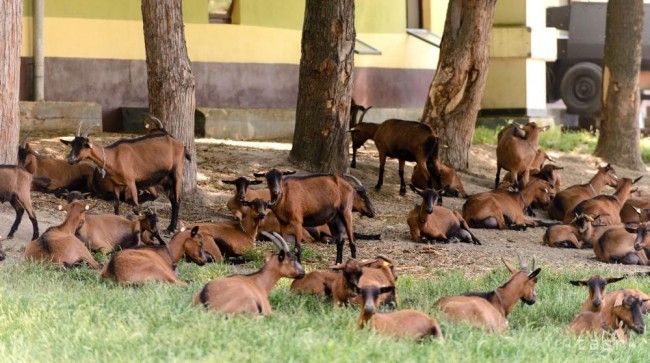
[
  {"x": 455, "y": 94},
  {"x": 618, "y": 140},
  {"x": 169, "y": 76},
  {"x": 320, "y": 139},
  {"x": 10, "y": 38}
]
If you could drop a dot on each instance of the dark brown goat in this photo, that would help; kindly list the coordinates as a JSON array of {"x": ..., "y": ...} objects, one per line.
[
  {"x": 154, "y": 263},
  {"x": 451, "y": 186},
  {"x": 105, "y": 232},
  {"x": 311, "y": 201},
  {"x": 59, "y": 245},
  {"x": 569, "y": 198},
  {"x": 61, "y": 174},
  {"x": 140, "y": 162},
  {"x": 503, "y": 209},
  {"x": 360, "y": 131},
  {"x": 15, "y": 188},
  {"x": 626, "y": 245},
  {"x": 430, "y": 222},
  {"x": 516, "y": 153},
  {"x": 608, "y": 207},
  {"x": 403, "y": 323},
  {"x": 238, "y": 294},
  {"x": 406, "y": 141},
  {"x": 490, "y": 310}
]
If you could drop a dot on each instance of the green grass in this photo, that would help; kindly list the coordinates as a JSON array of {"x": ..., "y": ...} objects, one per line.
[
  {"x": 554, "y": 139},
  {"x": 47, "y": 314}
]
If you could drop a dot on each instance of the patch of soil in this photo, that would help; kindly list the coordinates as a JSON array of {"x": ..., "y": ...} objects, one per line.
[{"x": 222, "y": 159}]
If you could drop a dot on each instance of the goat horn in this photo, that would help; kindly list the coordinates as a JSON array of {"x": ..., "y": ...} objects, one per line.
[
  {"x": 533, "y": 268},
  {"x": 156, "y": 120},
  {"x": 284, "y": 244},
  {"x": 79, "y": 128},
  {"x": 353, "y": 178},
  {"x": 277, "y": 243},
  {"x": 522, "y": 264}
]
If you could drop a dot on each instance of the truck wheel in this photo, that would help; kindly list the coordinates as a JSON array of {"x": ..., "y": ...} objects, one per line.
[{"x": 581, "y": 88}]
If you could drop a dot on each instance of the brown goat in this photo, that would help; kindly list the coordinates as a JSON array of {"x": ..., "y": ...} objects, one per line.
[
  {"x": 232, "y": 239},
  {"x": 516, "y": 153},
  {"x": 103, "y": 187},
  {"x": 407, "y": 141},
  {"x": 238, "y": 294},
  {"x": 636, "y": 210},
  {"x": 154, "y": 263},
  {"x": 141, "y": 162},
  {"x": 569, "y": 198},
  {"x": 626, "y": 314},
  {"x": 538, "y": 170},
  {"x": 490, "y": 310},
  {"x": 562, "y": 235},
  {"x": 61, "y": 174},
  {"x": 451, "y": 186},
  {"x": 310, "y": 201},
  {"x": 608, "y": 207},
  {"x": 623, "y": 245},
  {"x": 104, "y": 232},
  {"x": 59, "y": 245},
  {"x": 597, "y": 286},
  {"x": 15, "y": 188},
  {"x": 360, "y": 131},
  {"x": 430, "y": 222},
  {"x": 503, "y": 209},
  {"x": 404, "y": 323}
]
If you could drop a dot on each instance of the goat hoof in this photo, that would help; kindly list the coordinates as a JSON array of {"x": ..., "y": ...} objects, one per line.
[{"x": 378, "y": 187}]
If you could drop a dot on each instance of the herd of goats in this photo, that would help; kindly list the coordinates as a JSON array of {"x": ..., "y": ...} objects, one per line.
[{"x": 320, "y": 207}]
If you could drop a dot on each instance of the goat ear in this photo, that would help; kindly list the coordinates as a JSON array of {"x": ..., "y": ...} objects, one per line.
[
  {"x": 578, "y": 282},
  {"x": 634, "y": 190},
  {"x": 65, "y": 142},
  {"x": 414, "y": 189},
  {"x": 259, "y": 175},
  {"x": 619, "y": 300},
  {"x": 637, "y": 179},
  {"x": 231, "y": 182},
  {"x": 508, "y": 266},
  {"x": 255, "y": 182},
  {"x": 288, "y": 172},
  {"x": 386, "y": 289},
  {"x": 534, "y": 274},
  {"x": 632, "y": 229},
  {"x": 611, "y": 280},
  {"x": 194, "y": 231}
]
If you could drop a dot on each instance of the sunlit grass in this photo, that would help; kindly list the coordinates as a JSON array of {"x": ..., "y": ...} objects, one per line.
[{"x": 48, "y": 314}]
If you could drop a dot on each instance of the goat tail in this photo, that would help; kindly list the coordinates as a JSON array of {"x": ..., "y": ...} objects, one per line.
[
  {"x": 40, "y": 182},
  {"x": 188, "y": 156}
]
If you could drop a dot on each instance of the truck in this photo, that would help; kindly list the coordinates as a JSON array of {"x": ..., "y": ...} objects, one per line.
[{"x": 576, "y": 76}]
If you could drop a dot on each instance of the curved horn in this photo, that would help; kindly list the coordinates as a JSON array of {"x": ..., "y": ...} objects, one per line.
[
  {"x": 522, "y": 264},
  {"x": 363, "y": 113},
  {"x": 354, "y": 178},
  {"x": 281, "y": 240},
  {"x": 275, "y": 241},
  {"x": 156, "y": 120},
  {"x": 79, "y": 128},
  {"x": 533, "y": 263}
]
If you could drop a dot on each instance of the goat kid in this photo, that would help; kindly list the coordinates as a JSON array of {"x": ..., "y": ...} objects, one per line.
[
  {"x": 59, "y": 245},
  {"x": 238, "y": 294},
  {"x": 489, "y": 310},
  {"x": 430, "y": 222},
  {"x": 155, "y": 263},
  {"x": 15, "y": 188}
]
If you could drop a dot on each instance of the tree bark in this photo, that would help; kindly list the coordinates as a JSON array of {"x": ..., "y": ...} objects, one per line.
[
  {"x": 618, "y": 140},
  {"x": 10, "y": 38},
  {"x": 170, "y": 81},
  {"x": 455, "y": 94},
  {"x": 320, "y": 139}
]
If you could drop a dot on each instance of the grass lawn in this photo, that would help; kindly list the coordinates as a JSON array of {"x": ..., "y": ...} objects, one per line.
[
  {"x": 48, "y": 314},
  {"x": 555, "y": 139}
]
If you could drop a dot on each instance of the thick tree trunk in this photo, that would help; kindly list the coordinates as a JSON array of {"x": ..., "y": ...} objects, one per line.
[
  {"x": 320, "y": 139},
  {"x": 455, "y": 94},
  {"x": 169, "y": 76},
  {"x": 10, "y": 37},
  {"x": 618, "y": 140}
]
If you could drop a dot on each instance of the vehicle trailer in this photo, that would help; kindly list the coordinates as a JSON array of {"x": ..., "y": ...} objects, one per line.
[{"x": 576, "y": 76}]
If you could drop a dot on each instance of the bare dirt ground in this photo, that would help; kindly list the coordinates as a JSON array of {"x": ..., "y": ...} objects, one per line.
[{"x": 222, "y": 159}]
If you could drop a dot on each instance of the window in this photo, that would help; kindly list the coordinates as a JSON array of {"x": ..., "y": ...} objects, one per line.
[
  {"x": 361, "y": 47},
  {"x": 426, "y": 36},
  {"x": 220, "y": 11}
]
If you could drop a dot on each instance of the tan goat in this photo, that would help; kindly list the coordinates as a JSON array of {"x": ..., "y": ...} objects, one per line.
[
  {"x": 608, "y": 207},
  {"x": 61, "y": 174},
  {"x": 625, "y": 314}
]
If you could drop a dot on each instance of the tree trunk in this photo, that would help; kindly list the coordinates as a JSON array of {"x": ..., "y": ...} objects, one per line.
[
  {"x": 10, "y": 38},
  {"x": 618, "y": 140},
  {"x": 169, "y": 76},
  {"x": 320, "y": 139},
  {"x": 455, "y": 94}
]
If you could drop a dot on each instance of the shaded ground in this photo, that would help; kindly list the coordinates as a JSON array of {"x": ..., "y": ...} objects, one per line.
[{"x": 220, "y": 159}]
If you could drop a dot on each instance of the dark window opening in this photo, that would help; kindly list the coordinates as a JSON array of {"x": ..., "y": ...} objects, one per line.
[{"x": 414, "y": 14}]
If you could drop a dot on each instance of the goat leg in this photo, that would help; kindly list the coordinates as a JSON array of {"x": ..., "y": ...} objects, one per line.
[
  {"x": 496, "y": 179},
  {"x": 382, "y": 164},
  {"x": 19, "y": 217},
  {"x": 402, "y": 183}
]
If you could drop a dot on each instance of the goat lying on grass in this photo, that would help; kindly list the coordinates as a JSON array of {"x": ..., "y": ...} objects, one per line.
[
  {"x": 490, "y": 310},
  {"x": 155, "y": 263},
  {"x": 430, "y": 222},
  {"x": 238, "y": 294},
  {"x": 625, "y": 314},
  {"x": 59, "y": 245}
]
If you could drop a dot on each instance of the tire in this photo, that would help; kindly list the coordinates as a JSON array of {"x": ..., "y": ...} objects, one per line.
[{"x": 581, "y": 88}]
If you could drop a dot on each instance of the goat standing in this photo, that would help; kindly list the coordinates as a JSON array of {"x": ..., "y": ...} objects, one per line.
[
  {"x": 516, "y": 153},
  {"x": 15, "y": 188}
]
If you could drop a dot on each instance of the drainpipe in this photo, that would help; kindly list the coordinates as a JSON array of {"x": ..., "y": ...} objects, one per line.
[{"x": 39, "y": 57}]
